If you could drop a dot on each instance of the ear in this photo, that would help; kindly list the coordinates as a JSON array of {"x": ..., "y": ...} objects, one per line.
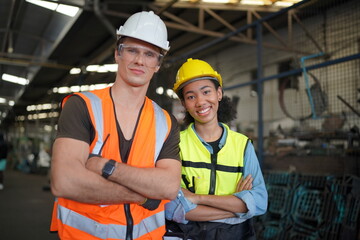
[
  {"x": 220, "y": 93},
  {"x": 157, "y": 69},
  {"x": 116, "y": 55}
]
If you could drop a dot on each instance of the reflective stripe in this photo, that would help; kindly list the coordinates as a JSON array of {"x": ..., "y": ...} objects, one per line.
[
  {"x": 96, "y": 107},
  {"x": 104, "y": 231},
  {"x": 161, "y": 129},
  {"x": 209, "y": 166},
  {"x": 160, "y": 120}
]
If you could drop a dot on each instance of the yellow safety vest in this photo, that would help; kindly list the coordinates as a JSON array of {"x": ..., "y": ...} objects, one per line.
[{"x": 215, "y": 174}]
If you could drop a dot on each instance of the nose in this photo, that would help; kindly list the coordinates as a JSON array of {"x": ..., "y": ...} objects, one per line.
[
  {"x": 139, "y": 58},
  {"x": 200, "y": 100}
]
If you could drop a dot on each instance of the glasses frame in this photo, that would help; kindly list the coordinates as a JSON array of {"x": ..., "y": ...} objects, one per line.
[{"x": 160, "y": 57}]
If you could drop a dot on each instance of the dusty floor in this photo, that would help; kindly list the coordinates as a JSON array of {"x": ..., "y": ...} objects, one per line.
[{"x": 25, "y": 208}]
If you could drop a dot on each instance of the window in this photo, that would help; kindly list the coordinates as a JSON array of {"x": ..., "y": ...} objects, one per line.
[{"x": 288, "y": 81}]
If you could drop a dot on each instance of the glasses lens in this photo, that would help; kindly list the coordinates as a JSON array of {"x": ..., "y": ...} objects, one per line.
[{"x": 150, "y": 57}]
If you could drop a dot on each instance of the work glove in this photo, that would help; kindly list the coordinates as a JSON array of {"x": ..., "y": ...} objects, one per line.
[{"x": 151, "y": 204}]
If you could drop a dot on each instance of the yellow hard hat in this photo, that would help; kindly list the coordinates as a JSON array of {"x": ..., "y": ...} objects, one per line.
[{"x": 193, "y": 70}]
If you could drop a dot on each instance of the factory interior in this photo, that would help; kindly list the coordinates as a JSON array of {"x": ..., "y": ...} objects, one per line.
[{"x": 291, "y": 69}]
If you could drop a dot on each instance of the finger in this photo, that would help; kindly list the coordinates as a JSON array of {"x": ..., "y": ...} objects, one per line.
[
  {"x": 244, "y": 185},
  {"x": 238, "y": 186},
  {"x": 248, "y": 179},
  {"x": 248, "y": 185}
]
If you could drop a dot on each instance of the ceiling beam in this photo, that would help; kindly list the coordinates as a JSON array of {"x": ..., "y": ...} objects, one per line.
[
  {"x": 268, "y": 27},
  {"x": 218, "y": 6},
  {"x": 27, "y": 63}
]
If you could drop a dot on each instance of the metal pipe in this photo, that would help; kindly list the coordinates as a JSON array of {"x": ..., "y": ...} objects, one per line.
[
  {"x": 168, "y": 5},
  {"x": 308, "y": 34},
  {"x": 348, "y": 105},
  {"x": 302, "y": 62},
  {"x": 104, "y": 20},
  {"x": 297, "y": 71},
  {"x": 8, "y": 25},
  {"x": 259, "y": 85}
]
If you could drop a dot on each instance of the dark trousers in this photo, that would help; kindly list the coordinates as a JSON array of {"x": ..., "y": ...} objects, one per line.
[{"x": 211, "y": 230}]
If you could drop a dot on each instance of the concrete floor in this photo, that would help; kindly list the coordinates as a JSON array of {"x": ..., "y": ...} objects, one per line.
[{"x": 25, "y": 208}]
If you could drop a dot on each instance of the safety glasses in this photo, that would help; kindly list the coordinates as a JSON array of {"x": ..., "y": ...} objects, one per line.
[{"x": 130, "y": 53}]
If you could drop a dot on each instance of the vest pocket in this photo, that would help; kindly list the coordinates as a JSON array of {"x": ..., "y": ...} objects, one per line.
[{"x": 201, "y": 184}]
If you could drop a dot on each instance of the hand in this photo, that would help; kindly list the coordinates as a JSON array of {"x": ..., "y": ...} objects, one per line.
[
  {"x": 244, "y": 184},
  {"x": 151, "y": 204},
  {"x": 192, "y": 197},
  {"x": 95, "y": 164}
]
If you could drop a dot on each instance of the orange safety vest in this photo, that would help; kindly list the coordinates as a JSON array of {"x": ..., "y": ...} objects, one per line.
[{"x": 75, "y": 220}]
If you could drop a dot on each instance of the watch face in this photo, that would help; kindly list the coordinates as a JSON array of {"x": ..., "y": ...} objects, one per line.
[{"x": 108, "y": 168}]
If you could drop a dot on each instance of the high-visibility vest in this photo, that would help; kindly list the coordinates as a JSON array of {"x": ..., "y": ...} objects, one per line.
[
  {"x": 75, "y": 220},
  {"x": 206, "y": 173}
]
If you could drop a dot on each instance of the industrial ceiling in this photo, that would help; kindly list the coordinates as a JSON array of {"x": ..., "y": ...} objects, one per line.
[{"x": 42, "y": 45}]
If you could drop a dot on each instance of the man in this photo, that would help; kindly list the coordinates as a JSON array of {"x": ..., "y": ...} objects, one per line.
[{"x": 116, "y": 157}]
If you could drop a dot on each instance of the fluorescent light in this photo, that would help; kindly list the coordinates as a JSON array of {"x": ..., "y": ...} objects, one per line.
[
  {"x": 15, "y": 79},
  {"x": 102, "y": 69},
  {"x": 20, "y": 118},
  {"x": 84, "y": 88},
  {"x": 160, "y": 90},
  {"x": 75, "y": 71},
  {"x": 77, "y": 88},
  {"x": 96, "y": 68},
  {"x": 31, "y": 108},
  {"x": 99, "y": 86},
  {"x": 283, "y": 4},
  {"x": 9, "y": 102},
  {"x": 63, "y": 90},
  {"x": 252, "y": 2},
  {"x": 216, "y": 1},
  {"x": 67, "y": 10},
  {"x": 47, "y": 128},
  {"x": 39, "y": 107},
  {"x": 92, "y": 68},
  {"x": 169, "y": 92},
  {"x": 111, "y": 67},
  {"x": 44, "y": 4},
  {"x": 60, "y": 8}
]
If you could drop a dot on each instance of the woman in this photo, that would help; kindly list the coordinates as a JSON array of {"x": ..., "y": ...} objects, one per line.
[{"x": 222, "y": 185}]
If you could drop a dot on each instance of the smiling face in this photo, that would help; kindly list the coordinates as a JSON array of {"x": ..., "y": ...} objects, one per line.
[
  {"x": 201, "y": 100},
  {"x": 135, "y": 70}
]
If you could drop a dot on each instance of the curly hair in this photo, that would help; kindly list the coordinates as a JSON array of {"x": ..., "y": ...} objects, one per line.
[{"x": 226, "y": 111}]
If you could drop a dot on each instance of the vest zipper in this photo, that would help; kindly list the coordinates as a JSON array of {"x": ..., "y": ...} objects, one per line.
[
  {"x": 129, "y": 222},
  {"x": 213, "y": 174}
]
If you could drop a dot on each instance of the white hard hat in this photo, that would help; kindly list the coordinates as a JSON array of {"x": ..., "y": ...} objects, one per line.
[{"x": 146, "y": 26}]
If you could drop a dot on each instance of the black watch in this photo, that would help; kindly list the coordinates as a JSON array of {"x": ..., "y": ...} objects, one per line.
[{"x": 108, "y": 169}]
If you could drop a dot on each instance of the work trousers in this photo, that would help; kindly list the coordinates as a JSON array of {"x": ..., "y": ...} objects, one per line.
[{"x": 210, "y": 231}]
